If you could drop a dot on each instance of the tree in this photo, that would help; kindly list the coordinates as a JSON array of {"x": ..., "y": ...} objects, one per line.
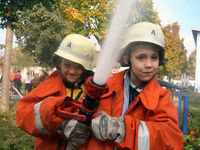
[
  {"x": 93, "y": 17},
  {"x": 191, "y": 64},
  {"x": 35, "y": 26},
  {"x": 174, "y": 51},
  {"x": 9, "y": 12},
  {"x": 88, "y": 17},
  {"x": 20, "y": 60},
  {"x": 40, "y": 31},
  {"x": 4, "y": 105},
  {"x": 143, "y": 11}
]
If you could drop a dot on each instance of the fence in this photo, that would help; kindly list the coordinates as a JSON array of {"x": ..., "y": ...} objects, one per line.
[{"x": 181, "y": 98}]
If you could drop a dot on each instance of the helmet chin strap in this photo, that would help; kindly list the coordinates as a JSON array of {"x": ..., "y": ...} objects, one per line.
[{"x": 76, "y": 84}]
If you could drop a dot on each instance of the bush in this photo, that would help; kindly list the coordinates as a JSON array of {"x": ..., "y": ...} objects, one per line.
[
  {"x": 192, "y": 139},
  {"x": 11, "y": 137}
]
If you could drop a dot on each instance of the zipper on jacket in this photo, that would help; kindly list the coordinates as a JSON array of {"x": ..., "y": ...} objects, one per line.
[{"x": 112, "y": 109}]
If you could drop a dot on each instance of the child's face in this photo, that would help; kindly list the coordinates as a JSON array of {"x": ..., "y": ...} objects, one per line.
[
  {"x": 144, "y": 62},
  {"x": 71, "y": 71}
]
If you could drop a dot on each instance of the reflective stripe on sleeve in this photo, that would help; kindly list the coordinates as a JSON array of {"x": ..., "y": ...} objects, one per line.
[
  {"x": 143, "y": 137},
  {"x": 38, "y": 122}
]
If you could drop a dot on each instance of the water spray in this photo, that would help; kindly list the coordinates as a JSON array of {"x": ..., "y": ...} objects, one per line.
[{"x": 111, "y": 46}]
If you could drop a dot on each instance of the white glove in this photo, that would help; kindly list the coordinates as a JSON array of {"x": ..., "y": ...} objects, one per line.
[
  {"x": 75, "y": 132},
  {"x": 105, "y": 127}
]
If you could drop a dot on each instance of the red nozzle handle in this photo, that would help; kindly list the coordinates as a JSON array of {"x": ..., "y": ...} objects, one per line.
[
  {"x": 64, "y": 114},
  {"x": 93, "y": 90},
  {"x": 70, "y": 103}
]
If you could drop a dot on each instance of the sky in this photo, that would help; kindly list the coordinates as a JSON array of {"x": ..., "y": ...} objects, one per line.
[{"x": 185, "y": 12}]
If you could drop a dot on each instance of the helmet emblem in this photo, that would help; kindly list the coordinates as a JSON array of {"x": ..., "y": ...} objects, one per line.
[
  {"x": 153, "y": 32},
  {"x": 69, "y": 45}
]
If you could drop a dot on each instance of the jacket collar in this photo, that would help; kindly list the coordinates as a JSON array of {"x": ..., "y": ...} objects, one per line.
[{"x": 150, "y": 95}]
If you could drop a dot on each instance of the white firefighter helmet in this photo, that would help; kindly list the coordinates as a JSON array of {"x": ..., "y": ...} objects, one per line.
[
  {"x": 77, "y": 48},
  {"x": 145, "y": 32}
]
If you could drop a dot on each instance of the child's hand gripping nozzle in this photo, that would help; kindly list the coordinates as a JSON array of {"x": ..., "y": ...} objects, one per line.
[
  {"x": 90, "y": 103},
  {"x": 91, "y": 100}
]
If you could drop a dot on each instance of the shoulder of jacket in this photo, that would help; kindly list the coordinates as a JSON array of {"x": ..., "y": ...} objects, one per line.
[
  {"x": 115, "y": 83},
  {"x": 116, "y": 78},
  {"x": 53, "y": 84},
  {"x": 151, "y": 94}
]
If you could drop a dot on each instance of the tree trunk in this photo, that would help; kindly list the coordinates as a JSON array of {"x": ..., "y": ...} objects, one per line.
[{"x": 4, "y": 105}]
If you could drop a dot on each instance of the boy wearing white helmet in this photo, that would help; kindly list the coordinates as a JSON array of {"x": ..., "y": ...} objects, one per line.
[
  {"x": 136, "y": 112},
  {"x": 36, "y": 112}
]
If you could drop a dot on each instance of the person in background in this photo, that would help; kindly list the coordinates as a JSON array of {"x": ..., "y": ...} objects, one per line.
[
  {"x": 35, "y": 80},
  {"x": 36, "y": 112},
  {"x": 12, "y": 77},
  {"x": 43, "y": 76},
  {"x": 137, "y": 113},
  {"x": 17, "y": 80},
  {"x": 27, "y": 83}
]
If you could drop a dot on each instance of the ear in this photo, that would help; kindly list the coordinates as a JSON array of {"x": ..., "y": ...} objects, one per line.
[{"x": 125, "y": 59}]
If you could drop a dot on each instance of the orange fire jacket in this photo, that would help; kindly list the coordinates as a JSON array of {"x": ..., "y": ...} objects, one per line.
[
  {"x": 153, "y": 105},
  {"x": 36, "y": 113}
]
